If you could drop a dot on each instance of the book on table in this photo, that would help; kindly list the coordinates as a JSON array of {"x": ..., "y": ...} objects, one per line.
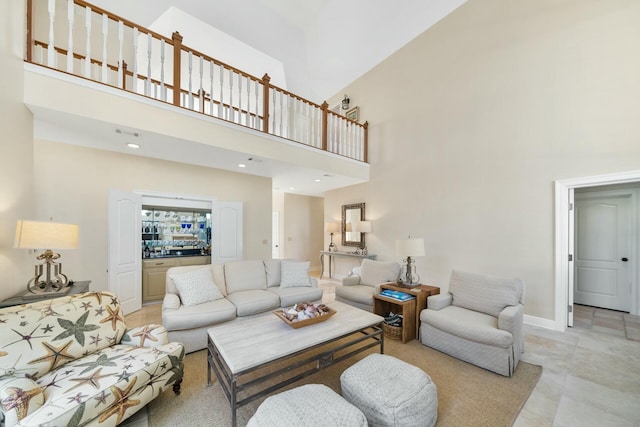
[{"x": 400, "y": 296}]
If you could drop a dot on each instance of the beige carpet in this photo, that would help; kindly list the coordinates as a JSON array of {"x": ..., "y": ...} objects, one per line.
[{"x": 467, "y": 395}]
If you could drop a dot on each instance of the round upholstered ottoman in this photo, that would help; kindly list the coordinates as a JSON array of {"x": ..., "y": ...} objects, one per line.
[
  {"x": 310, "y": 405},
  {"x": 391, "y": 392}
]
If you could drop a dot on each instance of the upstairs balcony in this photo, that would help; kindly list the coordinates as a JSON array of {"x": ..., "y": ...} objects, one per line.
[{"x": 91, "y": 69}]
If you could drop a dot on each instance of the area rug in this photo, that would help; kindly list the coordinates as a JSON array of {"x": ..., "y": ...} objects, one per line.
[{"x": 467, "y": 395}]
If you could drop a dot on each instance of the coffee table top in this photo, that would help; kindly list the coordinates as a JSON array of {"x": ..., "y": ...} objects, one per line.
[{"x": 247, "y": 342}]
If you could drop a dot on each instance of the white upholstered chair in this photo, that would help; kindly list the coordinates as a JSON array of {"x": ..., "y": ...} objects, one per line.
[
  {"x": 358, "y": 289},
  {"x": 479, "y": 321}
]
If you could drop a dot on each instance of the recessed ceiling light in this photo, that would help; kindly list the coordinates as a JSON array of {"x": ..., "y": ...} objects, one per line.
[
  {"x": 318, "y": 180},
  {"x": 132, "y": 145},
  {"x": 292, "y": 188},
  {"x": 242, "y": 165}
]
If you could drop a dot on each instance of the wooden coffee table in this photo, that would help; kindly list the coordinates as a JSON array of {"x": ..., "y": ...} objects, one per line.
[{"x": 242, "y": 352}]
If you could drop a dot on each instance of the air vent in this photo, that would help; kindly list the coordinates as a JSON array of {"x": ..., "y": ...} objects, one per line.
[{"x": 128, "y": 133}]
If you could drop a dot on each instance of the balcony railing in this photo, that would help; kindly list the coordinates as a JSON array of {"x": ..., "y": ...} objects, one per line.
[{"x": 78, "y": 38}]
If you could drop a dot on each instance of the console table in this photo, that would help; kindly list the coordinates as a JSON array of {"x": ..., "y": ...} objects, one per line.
[
  {"x": 339, "y": 254},
  {"x": 76, "y": 288}
]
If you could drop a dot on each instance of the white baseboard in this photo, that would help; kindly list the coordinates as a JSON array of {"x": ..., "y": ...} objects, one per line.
[{"x": 540, "y": 322}]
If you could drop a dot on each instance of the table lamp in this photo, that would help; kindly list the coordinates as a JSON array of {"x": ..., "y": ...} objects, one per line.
[
  {"x": 363, "y": 227},
  {"x": 332, "y": 227},
  {"x": 39, "y": 235},
  {"x": 410, "y": 248}
]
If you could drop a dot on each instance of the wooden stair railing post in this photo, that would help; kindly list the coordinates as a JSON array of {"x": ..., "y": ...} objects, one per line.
[
  {"x": 29, "y": 30},
  {"x": 177, "y": 53},
  {"x": 325, "y": 116},
  {"x": 124, "y": 75},
  {"x": 265, "y": 103},
  {"x": 365, "y": 151}
]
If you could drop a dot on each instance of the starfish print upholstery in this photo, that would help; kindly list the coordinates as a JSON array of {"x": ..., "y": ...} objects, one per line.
[
  {"x": 93, "y": 380},
  {"x": 76, "y": 329},
  {"x": 113, "y": 317},
  {"x": 19, "y": 399},
  {"x": 122, "y": 402},
  {"x": 55, "y": 355},
  {"x": 145, "y": 334}
]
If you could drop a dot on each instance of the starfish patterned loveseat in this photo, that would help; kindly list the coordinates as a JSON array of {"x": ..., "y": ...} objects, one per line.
[{"x": 71, "y": 361}]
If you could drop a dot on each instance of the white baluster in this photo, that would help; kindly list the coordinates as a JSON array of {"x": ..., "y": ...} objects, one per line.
[
  {"x": 247, "y": 117},
  {"x": 231, "y": 110},
  {"x": 87, "y": 60},
  {"x": 120, "y": 58},
  {"x": 256, "y": 119},
  {"x": 221, "y": 107},
  {"x": 274, "y": 111},
  {"x": 147, "y": 85},
  {"x": 163, "y": 87},
  {"x": 51, "y": 51},
  {"x": 190, "y": 80},
  {"x": 201, "y": 92},
  {"x": 105, "y": 32},
  {"x": 70, "y": 17},
  {"x": 240, "y": 98},
  {"x": 211, "y": 103},
  {"x": 134, "y": 81},
  {"x": 281, "y": 112}
]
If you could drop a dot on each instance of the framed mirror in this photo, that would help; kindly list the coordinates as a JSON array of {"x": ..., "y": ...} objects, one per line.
[{"x": 350, "y": 215}]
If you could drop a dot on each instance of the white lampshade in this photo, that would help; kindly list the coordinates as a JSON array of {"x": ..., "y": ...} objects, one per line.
[
  {"x": 362, "y": 227},
  {"x": 45, "y": 235},
  {"x": 410, "y": 247},
  {"x": 348, "y": 227},
  {"x": 331, "y": 227}
]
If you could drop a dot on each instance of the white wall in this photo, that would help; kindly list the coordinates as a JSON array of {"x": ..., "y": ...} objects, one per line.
[
  {"x": 16, "y": 150},
  {"x": 303, "y": 228},
  {"x": 471, "y": 123},
  {"x": 72, "y": 185}
]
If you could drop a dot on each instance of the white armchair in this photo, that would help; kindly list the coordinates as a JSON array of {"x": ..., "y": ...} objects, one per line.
[
  {"x": 358, "y": 290},
  {"x": 479, "y": 321}
]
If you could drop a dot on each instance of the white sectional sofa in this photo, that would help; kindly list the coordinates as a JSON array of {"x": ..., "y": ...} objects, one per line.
[{"x": 193, "y": 304}]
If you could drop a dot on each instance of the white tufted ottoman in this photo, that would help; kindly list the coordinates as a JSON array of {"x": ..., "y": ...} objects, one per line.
[
  {"x": 391, "y": 392},
  {"x": 310, "y": 405}
]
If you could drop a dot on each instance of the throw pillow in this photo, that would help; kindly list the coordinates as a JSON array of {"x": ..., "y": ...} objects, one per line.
[
  {"x": 196, "y": 287},
  {"x": 294, "y": 274}
]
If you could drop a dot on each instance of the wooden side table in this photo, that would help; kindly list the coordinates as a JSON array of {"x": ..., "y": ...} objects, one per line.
[
  {"x": 421, "y": 292},
  {"x": 383, "y": 305}
]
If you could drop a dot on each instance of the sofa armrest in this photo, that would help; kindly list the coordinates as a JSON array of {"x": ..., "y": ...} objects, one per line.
[
  {"x": 152, "y": 335},
  {"x": 510, "y": 319},
  {"x": 314, "y": 282},
  {"x": 440, "y": 301},
  {"x": 15, "y": 393},
  {"x": 351, "y": 280},
  {"x": 171, "y": 302}
]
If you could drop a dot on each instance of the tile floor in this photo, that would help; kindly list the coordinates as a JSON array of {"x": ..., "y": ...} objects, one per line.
[{"x": 591, "y": 373}]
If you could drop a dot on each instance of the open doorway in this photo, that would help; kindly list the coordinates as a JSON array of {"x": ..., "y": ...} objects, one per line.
[{"x": 565, "y": 192}]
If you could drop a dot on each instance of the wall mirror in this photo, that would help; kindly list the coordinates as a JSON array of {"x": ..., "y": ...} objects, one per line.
[{"x": 350, "y": 215}]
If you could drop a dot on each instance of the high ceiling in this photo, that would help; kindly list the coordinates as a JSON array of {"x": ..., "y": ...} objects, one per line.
[{"x": 323, "y": 44}]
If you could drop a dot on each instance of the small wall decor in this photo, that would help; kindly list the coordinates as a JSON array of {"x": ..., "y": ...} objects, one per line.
[{"x": 352, "y": 114}]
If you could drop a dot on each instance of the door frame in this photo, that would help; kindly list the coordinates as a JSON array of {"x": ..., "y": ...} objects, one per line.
[{"x": 564, "y": 191}]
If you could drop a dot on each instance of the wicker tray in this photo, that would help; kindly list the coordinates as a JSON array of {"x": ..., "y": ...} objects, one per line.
[
  {"x": 307, "y": 322},
  {"x": 393, "y": 332}
]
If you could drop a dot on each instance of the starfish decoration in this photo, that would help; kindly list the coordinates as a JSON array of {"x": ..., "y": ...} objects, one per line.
[
  {"x": 77, "y": 398},
  {"x": 47, "y": 328},
  {"x": 86, "y": 305},
  {"x": 130, "y": 357},
  {"x": 101, "y": 398},
  {"x": 113, "y": 317},
  {"x": 18, "y": 399},
  {"x": 51, "y": 383},
  {"x": 164, "y": 365},
  {"x": 128, "y": 366},
  {"x": 99, "y": 311},
  {"x": 55, "y": 355},
  {"x": 77, "y": 329},
  {"x": 145, "y": 334},
  {"x": 23, "y": 323},
  {"x": 95, "y": 340},
  {"x": 27, "y": 337},
  {"x": 124, "y": 375},
  {"x": 102, "y": 360},
  {"x": 93, "y": 379},
  {"x": 112, "y": 340},
  {"x": 122, "y": 403},
  {"x": 153, "y": 378},
  {"x": 99, "y": 296},
  {"x": 48, "y": 311}
]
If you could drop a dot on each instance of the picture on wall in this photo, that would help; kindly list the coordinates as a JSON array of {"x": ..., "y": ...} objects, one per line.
[{"x": 352, "y": 114}]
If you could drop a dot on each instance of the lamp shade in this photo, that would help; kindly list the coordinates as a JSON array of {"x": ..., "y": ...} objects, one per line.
[
  {"x": 45, "y": 235},
  {"x": 410, "y": 247},
  {"x": 364, "y": 226},
  {"x": 348, "y": 227},
  {"x": 331, "y": 227}
]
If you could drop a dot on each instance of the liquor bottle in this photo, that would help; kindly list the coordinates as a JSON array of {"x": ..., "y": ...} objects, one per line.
[{"x": 147, "y": 252}]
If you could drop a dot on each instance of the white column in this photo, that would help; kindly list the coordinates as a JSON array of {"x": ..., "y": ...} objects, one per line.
[
  {"x": 105, "y": 32},
  {"x": 70, "y": 18},
  {"x": 87, "y": 59}
]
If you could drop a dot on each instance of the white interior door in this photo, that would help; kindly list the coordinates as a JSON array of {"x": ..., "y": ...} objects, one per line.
[
  {"x": 603, "y": 251},
  {"x": 275, "y": 235},
  {"x": 572, "y": 251},
  {"x": 227, "y": 231},
  {"x": 125, "y": 264}
]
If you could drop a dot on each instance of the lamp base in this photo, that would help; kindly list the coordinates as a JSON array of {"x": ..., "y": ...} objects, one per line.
[{"x": 55, "y": 281}]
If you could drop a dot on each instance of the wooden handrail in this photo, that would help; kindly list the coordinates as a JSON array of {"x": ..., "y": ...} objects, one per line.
[{"x": 176, "y": 40}]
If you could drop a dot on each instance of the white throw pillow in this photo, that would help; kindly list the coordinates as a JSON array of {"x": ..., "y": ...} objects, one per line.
[
  {"x": 196, "y": 287},
  {"x": 294, "y": 274}
]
